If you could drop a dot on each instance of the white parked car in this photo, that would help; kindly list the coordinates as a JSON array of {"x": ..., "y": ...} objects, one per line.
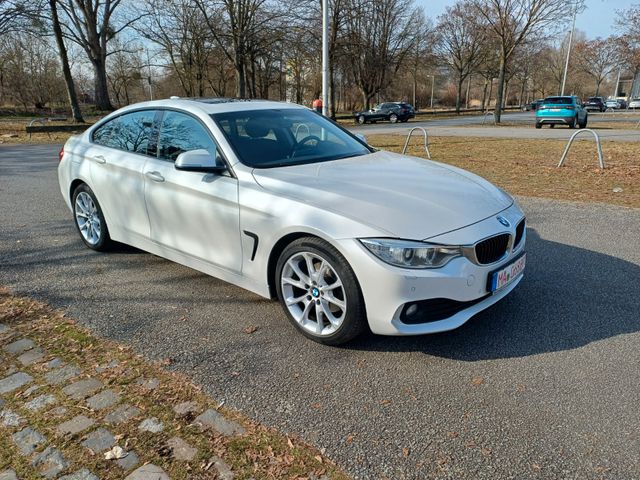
[
  {"x": 634, "y": 103},
  {"x": 283, "y": 202}
]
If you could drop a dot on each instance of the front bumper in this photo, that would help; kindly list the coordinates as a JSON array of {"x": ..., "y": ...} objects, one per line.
[{"x": 386, "y": 289}]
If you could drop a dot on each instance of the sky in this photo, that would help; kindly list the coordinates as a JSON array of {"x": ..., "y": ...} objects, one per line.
[{"x": 596, "y": 21}]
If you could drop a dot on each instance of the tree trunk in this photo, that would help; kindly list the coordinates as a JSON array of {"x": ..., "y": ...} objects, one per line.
[
  {"x": 459, "y": 94},
  {"x": 241, "y": 79},
  {"x": 76, "y": 113},
  {"x": 505, "y": 101},
  {"x": 500, "y": 88},
  {"x": 521, "y": 97},
  {"x": 101, "y": 86},
  {"x": 466, "y": 98},
  {"x": 484, "y": 94}
]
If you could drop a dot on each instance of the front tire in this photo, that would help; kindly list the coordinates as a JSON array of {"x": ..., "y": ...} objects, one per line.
[
  {"x": 319, "y": 292},
  {"x": 89, "y": 219},
  {"x": 538, "y": 125},
  {"x": 362, "y": 120},
  {"x": 393, "y": 118}
]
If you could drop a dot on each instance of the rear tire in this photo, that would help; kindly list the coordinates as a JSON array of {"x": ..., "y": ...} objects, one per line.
[
  {"x": 584, "y": 124},
  {"x": 89, "y": 219},
  {"x": 305, "y": 270}
]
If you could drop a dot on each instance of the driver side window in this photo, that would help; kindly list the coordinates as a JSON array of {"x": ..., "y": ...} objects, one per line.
[{"x": 180, "y": 133}]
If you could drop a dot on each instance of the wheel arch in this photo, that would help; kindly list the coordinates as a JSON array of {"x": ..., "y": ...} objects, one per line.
[
  {"x": 274, "y": 255},
  {"x": 75, "y": 184}
]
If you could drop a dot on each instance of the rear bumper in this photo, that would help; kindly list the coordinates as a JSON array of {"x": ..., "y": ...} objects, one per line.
[{"x": 556, "y": 120}]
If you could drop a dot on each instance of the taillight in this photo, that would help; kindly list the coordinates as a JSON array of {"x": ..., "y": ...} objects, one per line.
[{"x": 61, "y": 153}]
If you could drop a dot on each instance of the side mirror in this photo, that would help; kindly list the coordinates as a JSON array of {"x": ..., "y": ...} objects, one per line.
[
  {"x": 362, "y": 138},
  {"x": 198, "y": 161}
]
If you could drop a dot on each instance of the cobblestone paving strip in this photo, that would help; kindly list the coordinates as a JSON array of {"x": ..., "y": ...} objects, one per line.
[{"x": 73, "y": 407}]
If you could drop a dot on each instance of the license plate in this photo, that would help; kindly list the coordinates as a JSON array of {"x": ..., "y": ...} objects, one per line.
[
  {"x": 503, "y": 277},
  {"x": 555, "y": 109}
]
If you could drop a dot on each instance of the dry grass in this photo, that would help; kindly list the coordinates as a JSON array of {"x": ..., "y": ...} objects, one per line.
[
  {"x": 528, "y": 167},
  {"x": 262, "y": 453}
]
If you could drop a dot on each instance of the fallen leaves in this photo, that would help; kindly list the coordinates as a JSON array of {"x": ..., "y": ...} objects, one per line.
[
  {"x": 477, "y": 381},
  {"x": 250, "y": 329}
]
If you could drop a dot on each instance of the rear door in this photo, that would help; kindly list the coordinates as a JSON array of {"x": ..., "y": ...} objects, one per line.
[
  {"x": 118, "y": 151},
  {"x": 192, "y": 212}
]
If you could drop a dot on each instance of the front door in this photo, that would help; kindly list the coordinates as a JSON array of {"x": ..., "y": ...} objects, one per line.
[{"x": 192, "y": 212}]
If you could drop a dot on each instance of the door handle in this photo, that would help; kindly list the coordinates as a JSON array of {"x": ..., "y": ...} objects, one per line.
[
  {"x": 99, "y": 159},
  {"x": 155, "y": 176}
]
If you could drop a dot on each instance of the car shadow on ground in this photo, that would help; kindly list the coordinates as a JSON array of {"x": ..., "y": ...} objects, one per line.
[{"x": 569, "y": 297}]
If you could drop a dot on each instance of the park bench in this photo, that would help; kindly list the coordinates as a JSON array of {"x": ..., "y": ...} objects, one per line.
[{"x": 45, "y": 126}]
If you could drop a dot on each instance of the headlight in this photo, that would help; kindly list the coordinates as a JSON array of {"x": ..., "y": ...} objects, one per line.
[{"x": 410, "y": 254}]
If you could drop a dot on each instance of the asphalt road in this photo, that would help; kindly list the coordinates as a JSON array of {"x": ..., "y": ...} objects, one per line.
[
  {"x": 448, "y": 127},
  {"x": 544, "y": 385}
]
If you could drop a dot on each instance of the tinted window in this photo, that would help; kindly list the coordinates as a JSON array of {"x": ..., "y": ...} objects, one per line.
[
  {"x": 182, "y": 133},
  {"x": 558, "y": 101},
  {"x": 130, "y": 132},
  {"x": 281, "y": 137}
]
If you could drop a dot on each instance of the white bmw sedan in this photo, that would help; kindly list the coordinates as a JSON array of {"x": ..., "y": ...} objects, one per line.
[{"x": 283, "y": 202}]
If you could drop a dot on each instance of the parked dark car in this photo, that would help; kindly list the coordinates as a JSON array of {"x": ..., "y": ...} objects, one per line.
[
  {"x": 595, "y": 103},
  {"x": 391, "y": 111},
  {"x": 534, "y": 105}
]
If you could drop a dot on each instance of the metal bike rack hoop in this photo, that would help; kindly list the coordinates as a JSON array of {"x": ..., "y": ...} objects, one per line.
[
  {"x": 599, "y": 146},
  {"x": 486, "y": 114},
  {"x": 426, "y": 141}
]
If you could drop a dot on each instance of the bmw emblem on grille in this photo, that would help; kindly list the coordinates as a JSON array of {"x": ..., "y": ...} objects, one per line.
[{"x": 503, "y": 221}]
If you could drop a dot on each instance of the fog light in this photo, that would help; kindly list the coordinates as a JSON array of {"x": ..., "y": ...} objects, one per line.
[{"x": 412, "y": 310}]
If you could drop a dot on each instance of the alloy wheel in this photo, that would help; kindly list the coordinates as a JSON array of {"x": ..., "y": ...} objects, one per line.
[
  {"x": 313, "y": 293},
  {"x": 87, "y": 218}
]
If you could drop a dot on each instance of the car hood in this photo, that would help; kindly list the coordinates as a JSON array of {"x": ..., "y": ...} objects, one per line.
[{"x": 406, "y": 197}]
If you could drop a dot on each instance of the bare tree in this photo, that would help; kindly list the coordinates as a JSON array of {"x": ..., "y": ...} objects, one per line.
[
  {"x": 513, "y": 22},
  {"x": 380, "y": 35},
  {"x": 598, "y": 58},
  {"x": 18, "y": 15},
  {"x": 629, "y": 44},
  {"x": 180, "y": 29},
  {"x": 76, "y": 113},
  {"x": 236, "y": 25},
  {"x": 90, "y": 24},
  {"x": 460, "y": 43}
]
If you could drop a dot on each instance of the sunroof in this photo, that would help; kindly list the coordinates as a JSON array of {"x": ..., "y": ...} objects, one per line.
[{"x": 212, "y": 100}]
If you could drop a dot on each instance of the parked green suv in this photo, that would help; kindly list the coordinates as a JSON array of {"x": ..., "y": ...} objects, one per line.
[{"x": 561, "y": 111}]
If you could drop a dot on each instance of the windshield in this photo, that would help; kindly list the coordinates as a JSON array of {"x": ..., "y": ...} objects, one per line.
[
  {"x": 558, "y": 100},
  {"x": 288, "y": 136}
]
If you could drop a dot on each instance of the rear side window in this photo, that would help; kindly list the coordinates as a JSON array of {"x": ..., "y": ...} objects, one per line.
[
  {"x": 130, "y": 132},
  {"x": 182, "y": 133}
]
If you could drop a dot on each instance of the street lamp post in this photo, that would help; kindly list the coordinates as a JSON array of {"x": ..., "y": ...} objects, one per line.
[
  {"x": 325, "y": 57},
  {"x": 566, "y": 65},
  {"x": 433, "y": 81},
  {"x": 142, "y": 50},
  {"x": 149, "y": 65}
]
